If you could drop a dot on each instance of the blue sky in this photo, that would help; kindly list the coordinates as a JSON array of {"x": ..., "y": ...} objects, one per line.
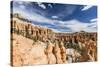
[{"x": 59, "y": 17}]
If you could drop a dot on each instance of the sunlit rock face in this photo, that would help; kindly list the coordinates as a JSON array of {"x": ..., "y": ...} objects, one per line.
[
  {"x": 32, "y": 45},
  {"x": 27, "y": 53},
  {"x": 27, "y": 29}
]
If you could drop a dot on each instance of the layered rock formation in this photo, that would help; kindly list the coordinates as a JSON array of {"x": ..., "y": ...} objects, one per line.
[
  {"x": 25, "y": 28},
  {"x": 33, "y": 44}
]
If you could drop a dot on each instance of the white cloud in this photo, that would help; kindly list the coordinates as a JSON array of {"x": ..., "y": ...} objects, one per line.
[
  {"x": 76, "y": 26},
  {"x": 39, "y": 18},
  {"x": 93, "y": 20},
  {"x": 87, "y": 7},
  {"x": 50, "y": 5},
  {"x": 41, "y": 5},
  {"x": 54, "y": 17},
  {"x": 23, "y": 2},
  {"x": 20, "y": 2},
  {"x": 22, "y": 6}
]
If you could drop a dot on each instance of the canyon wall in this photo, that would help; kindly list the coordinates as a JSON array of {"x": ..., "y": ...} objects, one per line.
[{"x": 25, "y": 28}]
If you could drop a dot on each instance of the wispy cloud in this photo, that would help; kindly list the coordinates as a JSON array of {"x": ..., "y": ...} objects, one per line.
[
  {"x": 76, "y": 26},
  {"x": 93, "y": 20},
  {"x": 86, "y": 7},
  {"x": 22, "y": 6},
  {"x": 63, "y": 26},
  {"x": 22, "y": 2},
  {"x": 50, "y": 5},
  {"x": 41, "y": 5}
]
